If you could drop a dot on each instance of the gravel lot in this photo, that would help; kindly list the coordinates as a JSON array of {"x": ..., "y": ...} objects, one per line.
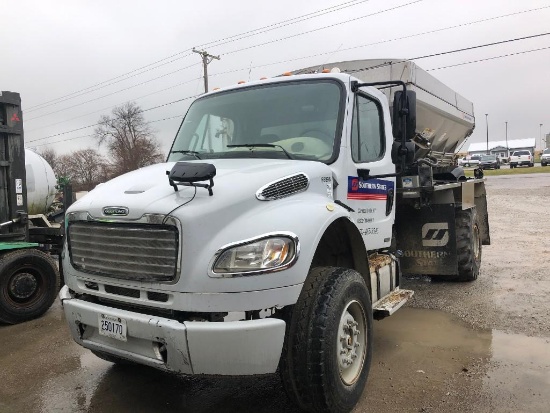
[{"x": 457, "y": 347}]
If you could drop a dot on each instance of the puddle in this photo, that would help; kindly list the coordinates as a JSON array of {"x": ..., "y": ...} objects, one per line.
[
  {"x": 518, "y": 378},
  {"x": 429, "y": 361},
  {"x": 424, "y": 361}
]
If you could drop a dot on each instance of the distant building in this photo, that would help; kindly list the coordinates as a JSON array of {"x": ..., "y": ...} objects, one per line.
[{"x": 499, "y": 147}]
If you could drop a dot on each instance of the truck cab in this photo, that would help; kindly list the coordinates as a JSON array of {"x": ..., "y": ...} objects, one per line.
[{"x": 267, "y": 241}]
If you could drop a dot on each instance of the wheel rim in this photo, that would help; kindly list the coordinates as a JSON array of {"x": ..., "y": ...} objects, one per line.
[
  {"x": 24, "y": 287},
  {"x": 351, "y": 343},
  {"x": 477, "y": 246}
]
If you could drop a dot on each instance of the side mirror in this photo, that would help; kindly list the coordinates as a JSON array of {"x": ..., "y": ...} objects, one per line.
[{"x": 400, "y": 103}]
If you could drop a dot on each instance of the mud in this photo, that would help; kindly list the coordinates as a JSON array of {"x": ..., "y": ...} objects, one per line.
[{"x": 459, "y": 347}]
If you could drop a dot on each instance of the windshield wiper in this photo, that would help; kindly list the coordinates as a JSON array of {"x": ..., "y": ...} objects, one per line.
[
  {"x": 195, "y": 154},
  {"x": 261, "y": 145}
]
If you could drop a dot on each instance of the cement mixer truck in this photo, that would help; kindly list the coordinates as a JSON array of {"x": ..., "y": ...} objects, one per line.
[
  {"x": 278, "y": 229},
  {"x": 29, "y": 276}
]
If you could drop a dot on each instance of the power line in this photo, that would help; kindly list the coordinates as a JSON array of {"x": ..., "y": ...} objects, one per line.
[
  {"x": 90, "y": 135},
  {"x": 113, "y": 93},
  {"x": 353, "y": 71},
  {"x": 488, "y": 58},
  {"x": 449, "y": 52},
  {"x": 90, "y": 90},
  {"x": 285, "y": 23},
  {"x": 324, "y": 27},
  {"x": 118, "y": 104},
  {"x": 423, "y": 33},
  {"x": 97, "y": 123},
  {"x": 388, "y": 40},
  {"x": 218, "y": 42},
  {"x": 235, "y": 51}
]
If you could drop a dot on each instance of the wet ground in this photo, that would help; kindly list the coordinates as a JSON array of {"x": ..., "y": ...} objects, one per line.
[{"x": 468, "y": 347}]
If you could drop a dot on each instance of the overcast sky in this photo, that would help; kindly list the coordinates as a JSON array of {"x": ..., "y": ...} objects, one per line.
[{"x": 49, "y": 49}]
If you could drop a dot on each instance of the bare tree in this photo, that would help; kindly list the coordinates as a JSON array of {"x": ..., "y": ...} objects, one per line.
[
  {"x": 129, "y": 138},
  {"x": 49, "y": 155},
  {"x": 85, "y": 168}
]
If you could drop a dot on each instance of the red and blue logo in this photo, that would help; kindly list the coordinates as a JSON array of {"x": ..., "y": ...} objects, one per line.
[{"x": 372, "y": 190}]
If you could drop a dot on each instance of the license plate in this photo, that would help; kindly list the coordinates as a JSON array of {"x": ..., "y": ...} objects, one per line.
[{"x": 110, "y": 326}]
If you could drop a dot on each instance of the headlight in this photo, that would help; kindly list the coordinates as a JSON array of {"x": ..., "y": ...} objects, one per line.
[{"x": 270, "y": 253}]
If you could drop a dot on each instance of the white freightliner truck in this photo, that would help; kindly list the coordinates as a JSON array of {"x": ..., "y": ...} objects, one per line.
[{"x": 278, "y": 229}]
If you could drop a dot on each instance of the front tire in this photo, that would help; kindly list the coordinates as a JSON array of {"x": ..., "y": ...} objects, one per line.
[
  {"x": 468, "y": 243},
  {"x": 29, "y": 282},
  {"x": 328, "y": 348}
]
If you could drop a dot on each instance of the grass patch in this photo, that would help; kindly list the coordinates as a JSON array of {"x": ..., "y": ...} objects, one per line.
[{"x": 515, "y": 171}]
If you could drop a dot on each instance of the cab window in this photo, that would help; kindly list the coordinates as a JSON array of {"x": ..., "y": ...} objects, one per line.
[{"x": 367, "y": 136}]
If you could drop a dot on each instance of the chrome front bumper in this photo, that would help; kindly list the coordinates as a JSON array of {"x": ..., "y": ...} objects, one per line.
[{"x": 225, "y": 348}]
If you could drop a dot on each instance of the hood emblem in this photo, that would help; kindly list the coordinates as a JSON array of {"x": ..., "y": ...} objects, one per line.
[{"x": 115, "y": 211}]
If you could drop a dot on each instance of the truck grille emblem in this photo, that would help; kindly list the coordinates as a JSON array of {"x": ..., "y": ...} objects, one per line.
[{"x": 115, "y": 211}]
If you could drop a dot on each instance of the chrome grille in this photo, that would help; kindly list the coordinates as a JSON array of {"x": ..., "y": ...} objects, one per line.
[
  {"x": 283, "y": 187},
  {"x": 126, "y": 251}
]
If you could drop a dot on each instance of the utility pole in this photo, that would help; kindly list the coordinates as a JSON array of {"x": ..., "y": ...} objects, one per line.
[
  {"x": 487, "y": 122},
  {"x": 206, "y": 60},
  {"x": 507, "y": 150},
  {"x": 540, "y": 134}
]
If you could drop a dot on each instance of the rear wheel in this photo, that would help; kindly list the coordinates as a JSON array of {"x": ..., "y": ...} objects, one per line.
[
  {"x": 29, "y": 282},
  {"x": 328, "y": 347},
  {"x": 468, "y": 242}
]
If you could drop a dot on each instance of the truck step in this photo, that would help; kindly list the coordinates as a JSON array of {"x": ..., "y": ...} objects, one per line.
[{"x": 391, "y": 303}]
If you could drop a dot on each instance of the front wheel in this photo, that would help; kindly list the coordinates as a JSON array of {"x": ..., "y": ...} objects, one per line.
[{"x": 328, "y": 348}]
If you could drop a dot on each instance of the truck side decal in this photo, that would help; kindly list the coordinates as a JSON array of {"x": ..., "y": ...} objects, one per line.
[
  {"x": 435, "y": 234},
  {"x": 373, "y": 189}
]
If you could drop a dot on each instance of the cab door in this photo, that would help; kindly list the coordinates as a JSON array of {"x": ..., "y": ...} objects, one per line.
[{"x": 372, "y": 199}]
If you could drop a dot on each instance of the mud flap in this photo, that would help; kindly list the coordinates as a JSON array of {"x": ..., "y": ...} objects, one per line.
[{"x": 427, "y": 239}]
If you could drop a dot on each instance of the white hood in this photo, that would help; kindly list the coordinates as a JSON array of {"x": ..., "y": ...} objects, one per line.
[{"x": 147, "y": 190}]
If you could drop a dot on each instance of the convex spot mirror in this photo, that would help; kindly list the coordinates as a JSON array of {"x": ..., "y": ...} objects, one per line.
[
  {"x": 397, "y": 153},
  {"x": 398, "y": 104}
]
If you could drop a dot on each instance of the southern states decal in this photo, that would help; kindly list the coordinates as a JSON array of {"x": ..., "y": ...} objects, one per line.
[{"x": 371, "y": 190}]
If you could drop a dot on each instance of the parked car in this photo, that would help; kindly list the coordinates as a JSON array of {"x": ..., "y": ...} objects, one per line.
[
  {"x": 489, "y": 162},
  {"x": 470, "y": 160},
  {"x": 520, "y": 158},
  {"x": 545, "y": 157}
]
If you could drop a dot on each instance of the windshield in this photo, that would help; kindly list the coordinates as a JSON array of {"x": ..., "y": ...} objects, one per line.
[
  {"x": 488, "y": 158},
  {"x": 520, "y": 153},
  {"x": 546, "y": 151},
  {"x": 297, "y": 120}
]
